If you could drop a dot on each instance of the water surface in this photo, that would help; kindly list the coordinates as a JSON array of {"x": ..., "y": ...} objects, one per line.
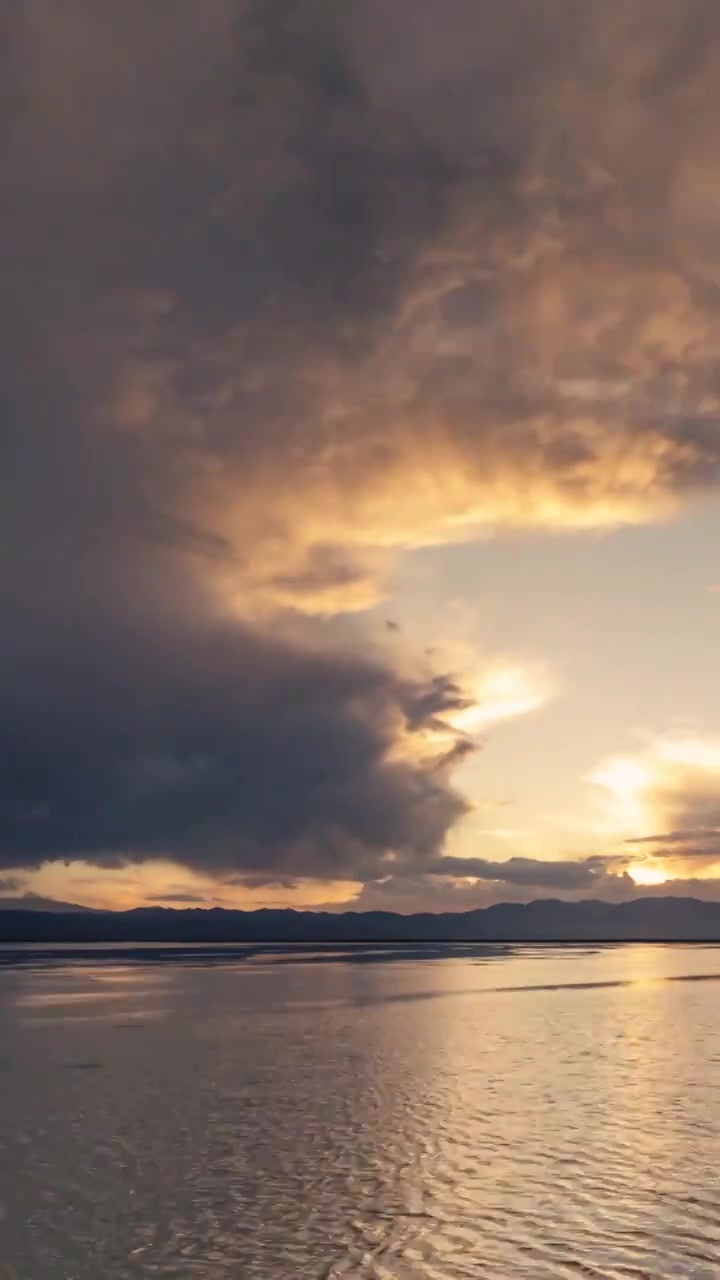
[{"x": 369, "y": 1112}]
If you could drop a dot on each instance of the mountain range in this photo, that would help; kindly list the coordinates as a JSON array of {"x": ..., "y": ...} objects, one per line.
[
  {"x": 32, "y": 902},
  {"x": 661, "y": 919}
]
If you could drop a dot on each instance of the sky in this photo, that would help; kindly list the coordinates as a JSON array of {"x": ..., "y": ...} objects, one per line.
[{"x": 359, "y": 452}]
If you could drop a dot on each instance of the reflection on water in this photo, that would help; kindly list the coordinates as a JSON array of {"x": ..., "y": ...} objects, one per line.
[{"x": 418, "y": 1113}]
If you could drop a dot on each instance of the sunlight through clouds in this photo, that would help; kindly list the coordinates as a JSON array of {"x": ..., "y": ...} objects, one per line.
[
  {"x": 625, "y": 780},
  {"x": 501, "y": 693},
  {"x": 665, "y": 803}
]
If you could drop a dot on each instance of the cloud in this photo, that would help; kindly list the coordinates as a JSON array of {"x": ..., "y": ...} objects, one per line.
[
  {"x": 327, "y": 582},
  {"x": 674, "y": 779},
  {"x": 260, "y": 880},
  {"x": 314, "y": 315},
  {"x": 221, "y": 749},
  {"x": 460, "y": 884},
  {"x": 700, "y": 844},
  {"x": 666, "y": 797},
  {"x": 668, "y": 839},
  {"x": 420, "y": 891},
  {"x": 528, "y": 872},
  {"x": 570, "y": 880},
  {"x": 296, "y": 289},
  {"x": 177, "y": 898}
]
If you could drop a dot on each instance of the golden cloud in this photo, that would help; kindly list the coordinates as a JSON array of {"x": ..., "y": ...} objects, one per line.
[
  {"x": 665, "y": 801},
  {"x": 494, "y": 313}
]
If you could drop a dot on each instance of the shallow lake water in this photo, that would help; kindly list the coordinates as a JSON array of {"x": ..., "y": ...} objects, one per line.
[{"x": 374, "y": 1112}]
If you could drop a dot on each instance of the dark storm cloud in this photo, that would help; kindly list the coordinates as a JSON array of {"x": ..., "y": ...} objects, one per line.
[
  {"x": 221, "y": 749},
  {"x": 285, "y": 287}
]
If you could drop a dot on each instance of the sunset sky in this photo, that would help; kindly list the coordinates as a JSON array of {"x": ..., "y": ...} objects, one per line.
[{"x": 359, "y": 451}]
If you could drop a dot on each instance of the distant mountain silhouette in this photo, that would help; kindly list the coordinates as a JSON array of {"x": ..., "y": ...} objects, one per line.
[
  {"x": 547, "y": 920},
  {"x": 31, "y": 902}
]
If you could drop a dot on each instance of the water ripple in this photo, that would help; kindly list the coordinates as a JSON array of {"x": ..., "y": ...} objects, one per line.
[{"x": 380, "y": 1122}]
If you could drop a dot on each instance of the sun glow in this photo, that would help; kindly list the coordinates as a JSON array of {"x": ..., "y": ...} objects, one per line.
[
  {"x": 501, "y": 693},
  {"x": 647, "y": 874},
  {"x": 624, "y": 777},
  {"x": 626, "y": 780}
]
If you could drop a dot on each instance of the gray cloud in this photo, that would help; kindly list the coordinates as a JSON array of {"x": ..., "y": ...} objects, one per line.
[
  {"x": 692, "y": 801},
  {"x": 220, "y": 748},
  {"x": 176, "y": 897},
  {"x": 259, "y": 880},
  {"x": 669, "y": 838},
  {"x": 699, "y": 845},
  {"x": 686, "y": 794},
  {"x": 535, "y": 873},
  {"x": 423, "y": 894},
  {"x": 419, "y": 891}
]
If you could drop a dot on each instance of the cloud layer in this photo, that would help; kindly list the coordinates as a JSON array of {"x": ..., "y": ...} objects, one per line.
[{"x": 293, "y": 289}]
